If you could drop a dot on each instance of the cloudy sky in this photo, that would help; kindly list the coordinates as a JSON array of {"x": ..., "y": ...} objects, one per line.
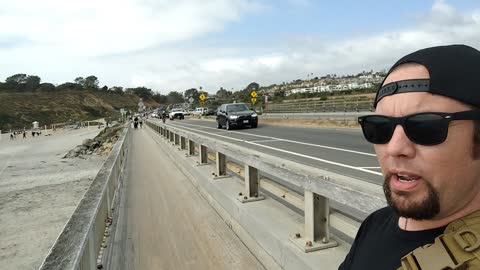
[{"x": 175, "y": 45}]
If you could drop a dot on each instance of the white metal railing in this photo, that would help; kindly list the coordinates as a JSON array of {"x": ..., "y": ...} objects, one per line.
[
  {"x": 319, "y": 186},
  {"x": 81, "y": 243}
]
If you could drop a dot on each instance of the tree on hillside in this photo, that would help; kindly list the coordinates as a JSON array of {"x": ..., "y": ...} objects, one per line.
[
  {"x": 223, "y": 93},
  {"x": 279, "y": 94},
  {"x": 46, "y": 87},
  {"x": 253, "y": 86},
  {"x": 88, "y": 83},
  {"x": 116, "y": 90},
  {"x": 22, "y": 82},
  {"x": 192, "y": 92},
  {"x": 175, "y": 97},
  {"x": 33, "y": 82},
  {"x": 242, "y": 95},
  {"x": 142, "y": 92},
  {"x": 91, "y": 82},
  {"x": 80, "y": 81},
  {"x": 159, "y": 98},
  {"x": 69, "y": 86},
  {"x": 17, "y": 79}
]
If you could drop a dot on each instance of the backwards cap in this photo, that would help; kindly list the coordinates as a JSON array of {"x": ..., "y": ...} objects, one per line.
[{"x": 454, "y": 72}]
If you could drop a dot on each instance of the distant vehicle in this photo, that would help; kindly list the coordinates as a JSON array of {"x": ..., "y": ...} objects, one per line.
[
  {"x": 200, "y": 111},
  {"x": 154, "y": 115},
  {"x": 212, "y": 112},
  {"x": 236, "y": 115},
  {"x": 163, "y": 114},
  {"x": 189, "y": 112},
  {"x": 178, "y": 113}
]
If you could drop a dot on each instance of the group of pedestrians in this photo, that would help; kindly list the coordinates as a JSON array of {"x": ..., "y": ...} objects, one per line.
[
  {"x": 14, "y": 134},
  {"x": 137, "y": 121}
]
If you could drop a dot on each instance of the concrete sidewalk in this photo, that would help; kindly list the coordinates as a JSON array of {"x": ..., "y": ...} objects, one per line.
[{"x": 165, "y": 224}]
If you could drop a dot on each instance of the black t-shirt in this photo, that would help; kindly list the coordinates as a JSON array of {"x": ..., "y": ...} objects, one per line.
[{"x": 380, "y": 243}]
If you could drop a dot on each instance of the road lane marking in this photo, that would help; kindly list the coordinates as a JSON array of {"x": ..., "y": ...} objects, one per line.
[
  {"x": 262, "y": 141},
  {"x": 286, "y": 151},
  {"x": 318, "y": 159},
  {"x": 297, "y": 142}
]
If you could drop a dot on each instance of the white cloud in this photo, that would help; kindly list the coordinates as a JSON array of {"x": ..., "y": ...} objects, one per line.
[
  {"x": 92, "y": 27},
  {"x": 153, "y": 43}
]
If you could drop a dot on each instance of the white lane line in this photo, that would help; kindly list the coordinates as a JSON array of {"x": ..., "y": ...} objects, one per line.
[
  {"x": 288, "y": 152},
  {"x": 297, "y": 142},
  {"x": 261, "y": 141},
  {"x": 370, "y": 167}
]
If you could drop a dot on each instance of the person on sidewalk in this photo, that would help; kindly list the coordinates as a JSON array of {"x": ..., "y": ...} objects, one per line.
[{"x": 426, "y": 134}]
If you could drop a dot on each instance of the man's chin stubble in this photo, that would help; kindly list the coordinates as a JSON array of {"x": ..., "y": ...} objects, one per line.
[{"x": 428, "y": 208}]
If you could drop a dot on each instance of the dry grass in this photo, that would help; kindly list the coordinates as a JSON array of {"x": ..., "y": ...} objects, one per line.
[{"x": 304, "y": 122}]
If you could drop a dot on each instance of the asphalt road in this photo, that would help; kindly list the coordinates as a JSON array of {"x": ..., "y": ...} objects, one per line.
[{"x": 339, "y": 150}]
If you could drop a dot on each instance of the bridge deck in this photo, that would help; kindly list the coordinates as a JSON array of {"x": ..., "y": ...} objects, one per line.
[{"x": 165, "y": 224}]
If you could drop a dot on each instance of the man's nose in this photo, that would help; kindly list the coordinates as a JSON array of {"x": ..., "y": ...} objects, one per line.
[{"x": 400, "y": 145}]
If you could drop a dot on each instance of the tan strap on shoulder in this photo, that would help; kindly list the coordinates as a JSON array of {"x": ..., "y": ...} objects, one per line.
[{"x": 458, "y": 248}]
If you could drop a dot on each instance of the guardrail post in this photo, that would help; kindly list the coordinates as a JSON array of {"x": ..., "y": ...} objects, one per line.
[
  {"x": 171, "y": 136},
  {"x": 221, "y": 168},
  {"x": 317, "y": 224},
  {"x": 182, "y": 143},
  {"x": 203, "y": 160},
  {"x": 176, "y": 139},
  {"x": 191, "y": 148},
  {"x": 252, "y": 191}
]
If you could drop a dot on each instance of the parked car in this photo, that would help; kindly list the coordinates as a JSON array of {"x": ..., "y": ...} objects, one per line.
[
  {"x": 236, "y": 115},
  {"x": 178, "y": 113}
]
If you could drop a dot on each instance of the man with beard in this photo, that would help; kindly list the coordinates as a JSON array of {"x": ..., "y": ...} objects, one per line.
[{"x": 426, "y": 134}]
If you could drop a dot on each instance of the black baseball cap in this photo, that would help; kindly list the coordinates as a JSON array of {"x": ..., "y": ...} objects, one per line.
[{"x": 454, "y": 72}]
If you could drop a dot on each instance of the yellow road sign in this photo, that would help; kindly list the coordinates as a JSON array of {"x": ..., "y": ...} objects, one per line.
[
  {"x": 202, "y": 96},
  {"x": 253, "y": 94},
  {"x": 253, "y": 100}
]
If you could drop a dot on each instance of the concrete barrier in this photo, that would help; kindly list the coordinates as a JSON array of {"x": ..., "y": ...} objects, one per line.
[{"x": 84, "y": 237}]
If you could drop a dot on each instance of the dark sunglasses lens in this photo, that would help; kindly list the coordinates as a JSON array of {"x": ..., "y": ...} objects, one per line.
[
  {"x": 377, "y": 129},
  {"x": 427, "y": 129}
]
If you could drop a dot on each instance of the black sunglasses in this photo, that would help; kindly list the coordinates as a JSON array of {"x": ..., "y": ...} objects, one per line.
[{"x": 428, "y": 128}]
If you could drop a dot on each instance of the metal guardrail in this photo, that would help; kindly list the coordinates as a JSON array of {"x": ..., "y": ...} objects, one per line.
[
  {"x": 319, "y": 106},
  {"x": 79, "y": 244},
  {"x": 319, "y": 186}
]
